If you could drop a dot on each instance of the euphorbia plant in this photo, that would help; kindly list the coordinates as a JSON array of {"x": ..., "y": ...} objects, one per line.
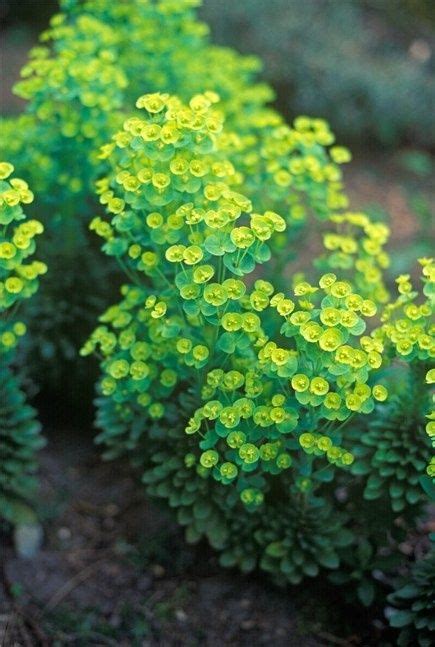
[
  {"x": 19, "y": 429},
  {"x": 80, "y": 83},
  {"x": 395, "y": 449},
  {"x": 239, "y": 394},
  {"x": 248, "y": 395}
]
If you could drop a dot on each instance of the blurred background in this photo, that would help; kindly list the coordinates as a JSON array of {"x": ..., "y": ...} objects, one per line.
[{"x": 367, "y": 66}]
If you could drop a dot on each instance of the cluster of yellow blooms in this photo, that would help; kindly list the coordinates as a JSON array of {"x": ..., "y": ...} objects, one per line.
[
  {"x": 297, "y": 173},
  {"x": 408, "y": 328},
  {"x": 175, "y": 217},
  {"x": 356, "y": 250},
  {"x": 87, "y": 65},
  {"x": 408, "y": 325},
  {"x": 18, "y": 279},
  {"x": 430, "y": 426}
]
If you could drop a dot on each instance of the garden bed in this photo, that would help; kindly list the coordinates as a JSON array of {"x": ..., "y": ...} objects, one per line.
[{"x": 114, "y": 569}]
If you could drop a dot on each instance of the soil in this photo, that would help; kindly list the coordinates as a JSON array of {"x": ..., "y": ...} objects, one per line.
[{"x": 114, "y": 570}]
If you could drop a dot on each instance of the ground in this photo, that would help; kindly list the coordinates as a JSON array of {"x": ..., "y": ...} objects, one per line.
[{"x": 114, "y": 570}]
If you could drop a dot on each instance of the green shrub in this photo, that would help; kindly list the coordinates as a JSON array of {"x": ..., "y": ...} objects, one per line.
[
  {"x": 251, "y": 399},
  {"x": 236, "y": 400},
  {"x": 77, "y": 84},
  {"x": 73, "y": 108},
  {"x": 394, "y": 449},
  {"x": 19, "y": 429}
]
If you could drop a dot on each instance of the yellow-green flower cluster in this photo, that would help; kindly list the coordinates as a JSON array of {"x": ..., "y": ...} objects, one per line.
[
  {"x": 430, "y": 426},
  {"x": 175, "y": 219},
  {"x": 356, "y": 250},
  {"x": 296, "y": 389},
  {"x": 318, "y": 445},
  {"x": 188, "y": 247},
  {"x": 408, "y": 326},
  {"x": 296, "y": 167},
  {"x": 137, "y": 345},
  {"x": 174, "y": 177},
  {"x": 407, "y": 330},
  {"x": 18, "y": 278},
  {"x": 92, "y": 63},
  {"x": 84, "y": 61}
]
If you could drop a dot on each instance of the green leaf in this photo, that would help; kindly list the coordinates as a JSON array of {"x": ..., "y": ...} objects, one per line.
[
  {"x": 364, "y": 551},
  {"x": 366, "y": 592},
  {"x": 227, "y": 342},
  {"x": 219, "y": 243},
  {"x": 412, "y": 496},
  {"x": 262, "y": 253},
  {"x": 202, "y": 510},
  {"x": 407, "y": 592},
  {"x": 358, "y": 328},
  {"x": 428, "y": 486},
  {"x": 227, "y": 560},
  {"x": 289, "y": 368},
  {"x": 115, "y": 247},
  {"x": 329, "y": 559},
  {"x": 276, "y": 549},
  {"x": 401, "y": 618}
]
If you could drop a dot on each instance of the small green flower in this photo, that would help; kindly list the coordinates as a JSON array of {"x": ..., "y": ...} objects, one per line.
[{"x": 209, "y": 458}]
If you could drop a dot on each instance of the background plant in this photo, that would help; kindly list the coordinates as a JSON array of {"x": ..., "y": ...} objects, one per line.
[
  {"x": 19, "y": 430},
  {"x": 413, "y": 604},
  {"x": 342, "y": 60}
]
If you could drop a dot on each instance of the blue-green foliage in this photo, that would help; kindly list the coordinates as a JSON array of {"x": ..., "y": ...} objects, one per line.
[{"x": 413, "y": 604}]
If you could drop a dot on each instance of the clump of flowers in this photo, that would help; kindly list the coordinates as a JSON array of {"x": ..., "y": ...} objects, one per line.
[
  {"x": 19, "y": 277},
  {"x": 356, "y": 249},
  {"x": 80, "y": 82},
  {"x": 19, "y": 430},
  {"x": 408, "y": 333},
  {"x": 255, "y": 402},
  {"x": 272, "y": 378}
]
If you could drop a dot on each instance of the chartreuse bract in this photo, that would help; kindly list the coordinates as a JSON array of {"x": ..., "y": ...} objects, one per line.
[
  {"x": 19, "y": 276},
  {"x": 239, "y": 395},
  {"x": 395, "y": 450}
]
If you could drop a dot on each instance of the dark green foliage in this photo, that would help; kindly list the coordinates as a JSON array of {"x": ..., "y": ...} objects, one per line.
[
  {"x": 20, "y": 439},
  {"x": 374, "y": 549},
  {"x": 414, "y": 605},
  {"x": 302, "y": 536},
  {"x": 291, "y": 540},
  {"x": 394, "y": 450}
]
